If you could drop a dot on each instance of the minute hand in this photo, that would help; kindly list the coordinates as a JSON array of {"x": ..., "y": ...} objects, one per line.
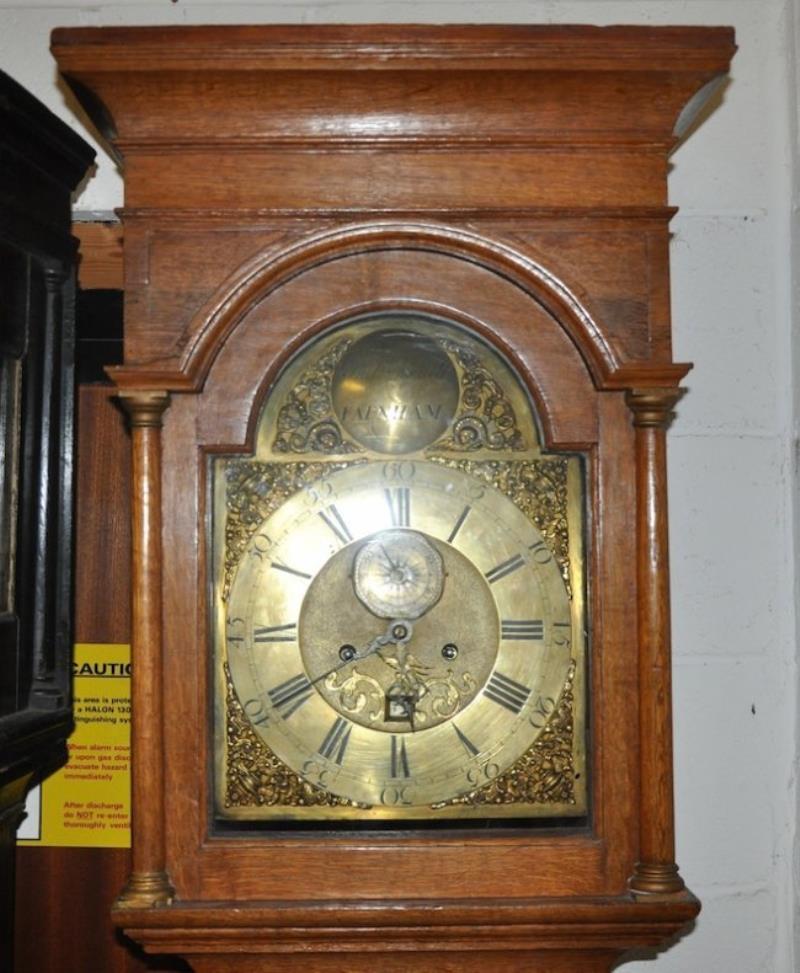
[{"x": 377, "y": 643}]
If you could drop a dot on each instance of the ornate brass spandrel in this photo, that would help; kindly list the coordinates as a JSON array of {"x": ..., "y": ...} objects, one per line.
[
  {"x": 253, "y": 491},
  {"x": 255, "y": 776},
  {"x": 486, "y": 418},
  {"x": 545, "y": 774},
  {"x": 465, "y": 405},
  {"x": 306, "y": 421},
  {"x": 538, "y": 488}
]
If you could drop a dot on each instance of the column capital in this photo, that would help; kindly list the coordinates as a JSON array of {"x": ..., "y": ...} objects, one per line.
[
  {"x": 144, "y": 408},
  {"x": 653, "y": 407},
  {"x": 54, "y": 276}
]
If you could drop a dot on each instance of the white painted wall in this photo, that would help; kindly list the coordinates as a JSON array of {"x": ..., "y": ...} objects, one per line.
[{"x": 732, "y": 452}]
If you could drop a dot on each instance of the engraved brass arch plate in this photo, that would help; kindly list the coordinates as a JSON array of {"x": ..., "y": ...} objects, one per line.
[{"x": 395, "y": 391}]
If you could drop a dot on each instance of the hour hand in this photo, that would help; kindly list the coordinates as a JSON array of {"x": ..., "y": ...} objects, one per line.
[{"x": 399, "y": 632}]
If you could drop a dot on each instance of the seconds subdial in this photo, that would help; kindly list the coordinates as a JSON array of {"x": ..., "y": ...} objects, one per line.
[{"x": 398, "y": 573}]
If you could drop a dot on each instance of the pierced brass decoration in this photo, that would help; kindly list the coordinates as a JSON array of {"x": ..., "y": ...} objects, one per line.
[
  {"x": 428, "y": 386},
  {"x": 256, "y": 489},
  {"x": 362, "y": 697},
  {"x": 486, "y": 418},
  {"x": 544, "y": 775},
  {"x": 306, "y": 421},
  {"x": 256, "y": 777}
]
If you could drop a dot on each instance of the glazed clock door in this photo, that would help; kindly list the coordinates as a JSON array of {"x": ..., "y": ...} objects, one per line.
[{"x": 399, "y": 591}]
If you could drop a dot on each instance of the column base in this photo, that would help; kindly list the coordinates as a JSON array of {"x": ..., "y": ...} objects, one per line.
[
  {"x": 145, "y": 890},
  {"x": 651, "y": 878}
]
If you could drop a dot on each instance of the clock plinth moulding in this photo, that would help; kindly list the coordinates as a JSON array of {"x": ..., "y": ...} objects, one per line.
[{"x": 283, "y": 183}]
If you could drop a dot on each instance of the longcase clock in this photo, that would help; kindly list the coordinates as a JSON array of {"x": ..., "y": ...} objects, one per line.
[{"x": 398, "y": 372}]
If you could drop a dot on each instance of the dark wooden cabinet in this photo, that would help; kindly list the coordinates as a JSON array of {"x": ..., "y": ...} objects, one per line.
[{"x": 41, "y": 163}]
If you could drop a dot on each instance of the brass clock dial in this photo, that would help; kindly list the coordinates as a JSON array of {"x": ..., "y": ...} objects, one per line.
[
  {"x": 376, "y": 657},
  {"x": 397, "y": 631}
]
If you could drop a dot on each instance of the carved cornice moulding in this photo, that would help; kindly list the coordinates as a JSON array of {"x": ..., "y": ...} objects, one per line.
[{"x": 272, "y": 86}]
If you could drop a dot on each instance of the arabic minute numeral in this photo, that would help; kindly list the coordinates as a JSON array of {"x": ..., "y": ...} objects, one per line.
[
  {"x": 256, "y": 711},
  {"x": 260, "y": 545},
  {"x": 318, "y": 491},
  {"x": 542, "y": 711},
  {"x": 478, "y": 776},
  {"x": 562, "y": 633},
  {"x": 540, "y": 553},
  {"x": 402, "y": 470},
  {"x": 397, "y": 794}
]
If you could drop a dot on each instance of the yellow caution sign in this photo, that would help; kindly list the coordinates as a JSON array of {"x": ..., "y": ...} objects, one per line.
[{"x": 87, "y": 802}]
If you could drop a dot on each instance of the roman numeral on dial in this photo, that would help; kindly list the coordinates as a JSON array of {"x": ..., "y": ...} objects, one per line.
[
  {"x": 334, "y": 520},
  {"x": 399, "y": 758},
  {"x": 469, "y": 746},
  {"x": 529, "y": 630},
  {"x": 275, "y": 633},
  {"x": 290, "y": 695},
  {"x": 505, "y": 568},
  {"x": 459, "y": 524},
  {"x": 398, "y": 499},
  {"x": 334, "y": 745},
  {"x": 506, "y": 692},
  {"x": 235, "y": 635},
  {"x": 277, "y": 566}
]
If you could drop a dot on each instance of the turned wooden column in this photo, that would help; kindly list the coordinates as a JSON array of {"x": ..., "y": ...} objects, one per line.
[
  {"x": 656, "y": 871},
  {"x": 148, "y": 884}
]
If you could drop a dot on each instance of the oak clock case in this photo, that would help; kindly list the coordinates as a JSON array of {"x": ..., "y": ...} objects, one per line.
[
  {"x": 339, "y": 760},
  {"x": 399, "y": 621}
]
